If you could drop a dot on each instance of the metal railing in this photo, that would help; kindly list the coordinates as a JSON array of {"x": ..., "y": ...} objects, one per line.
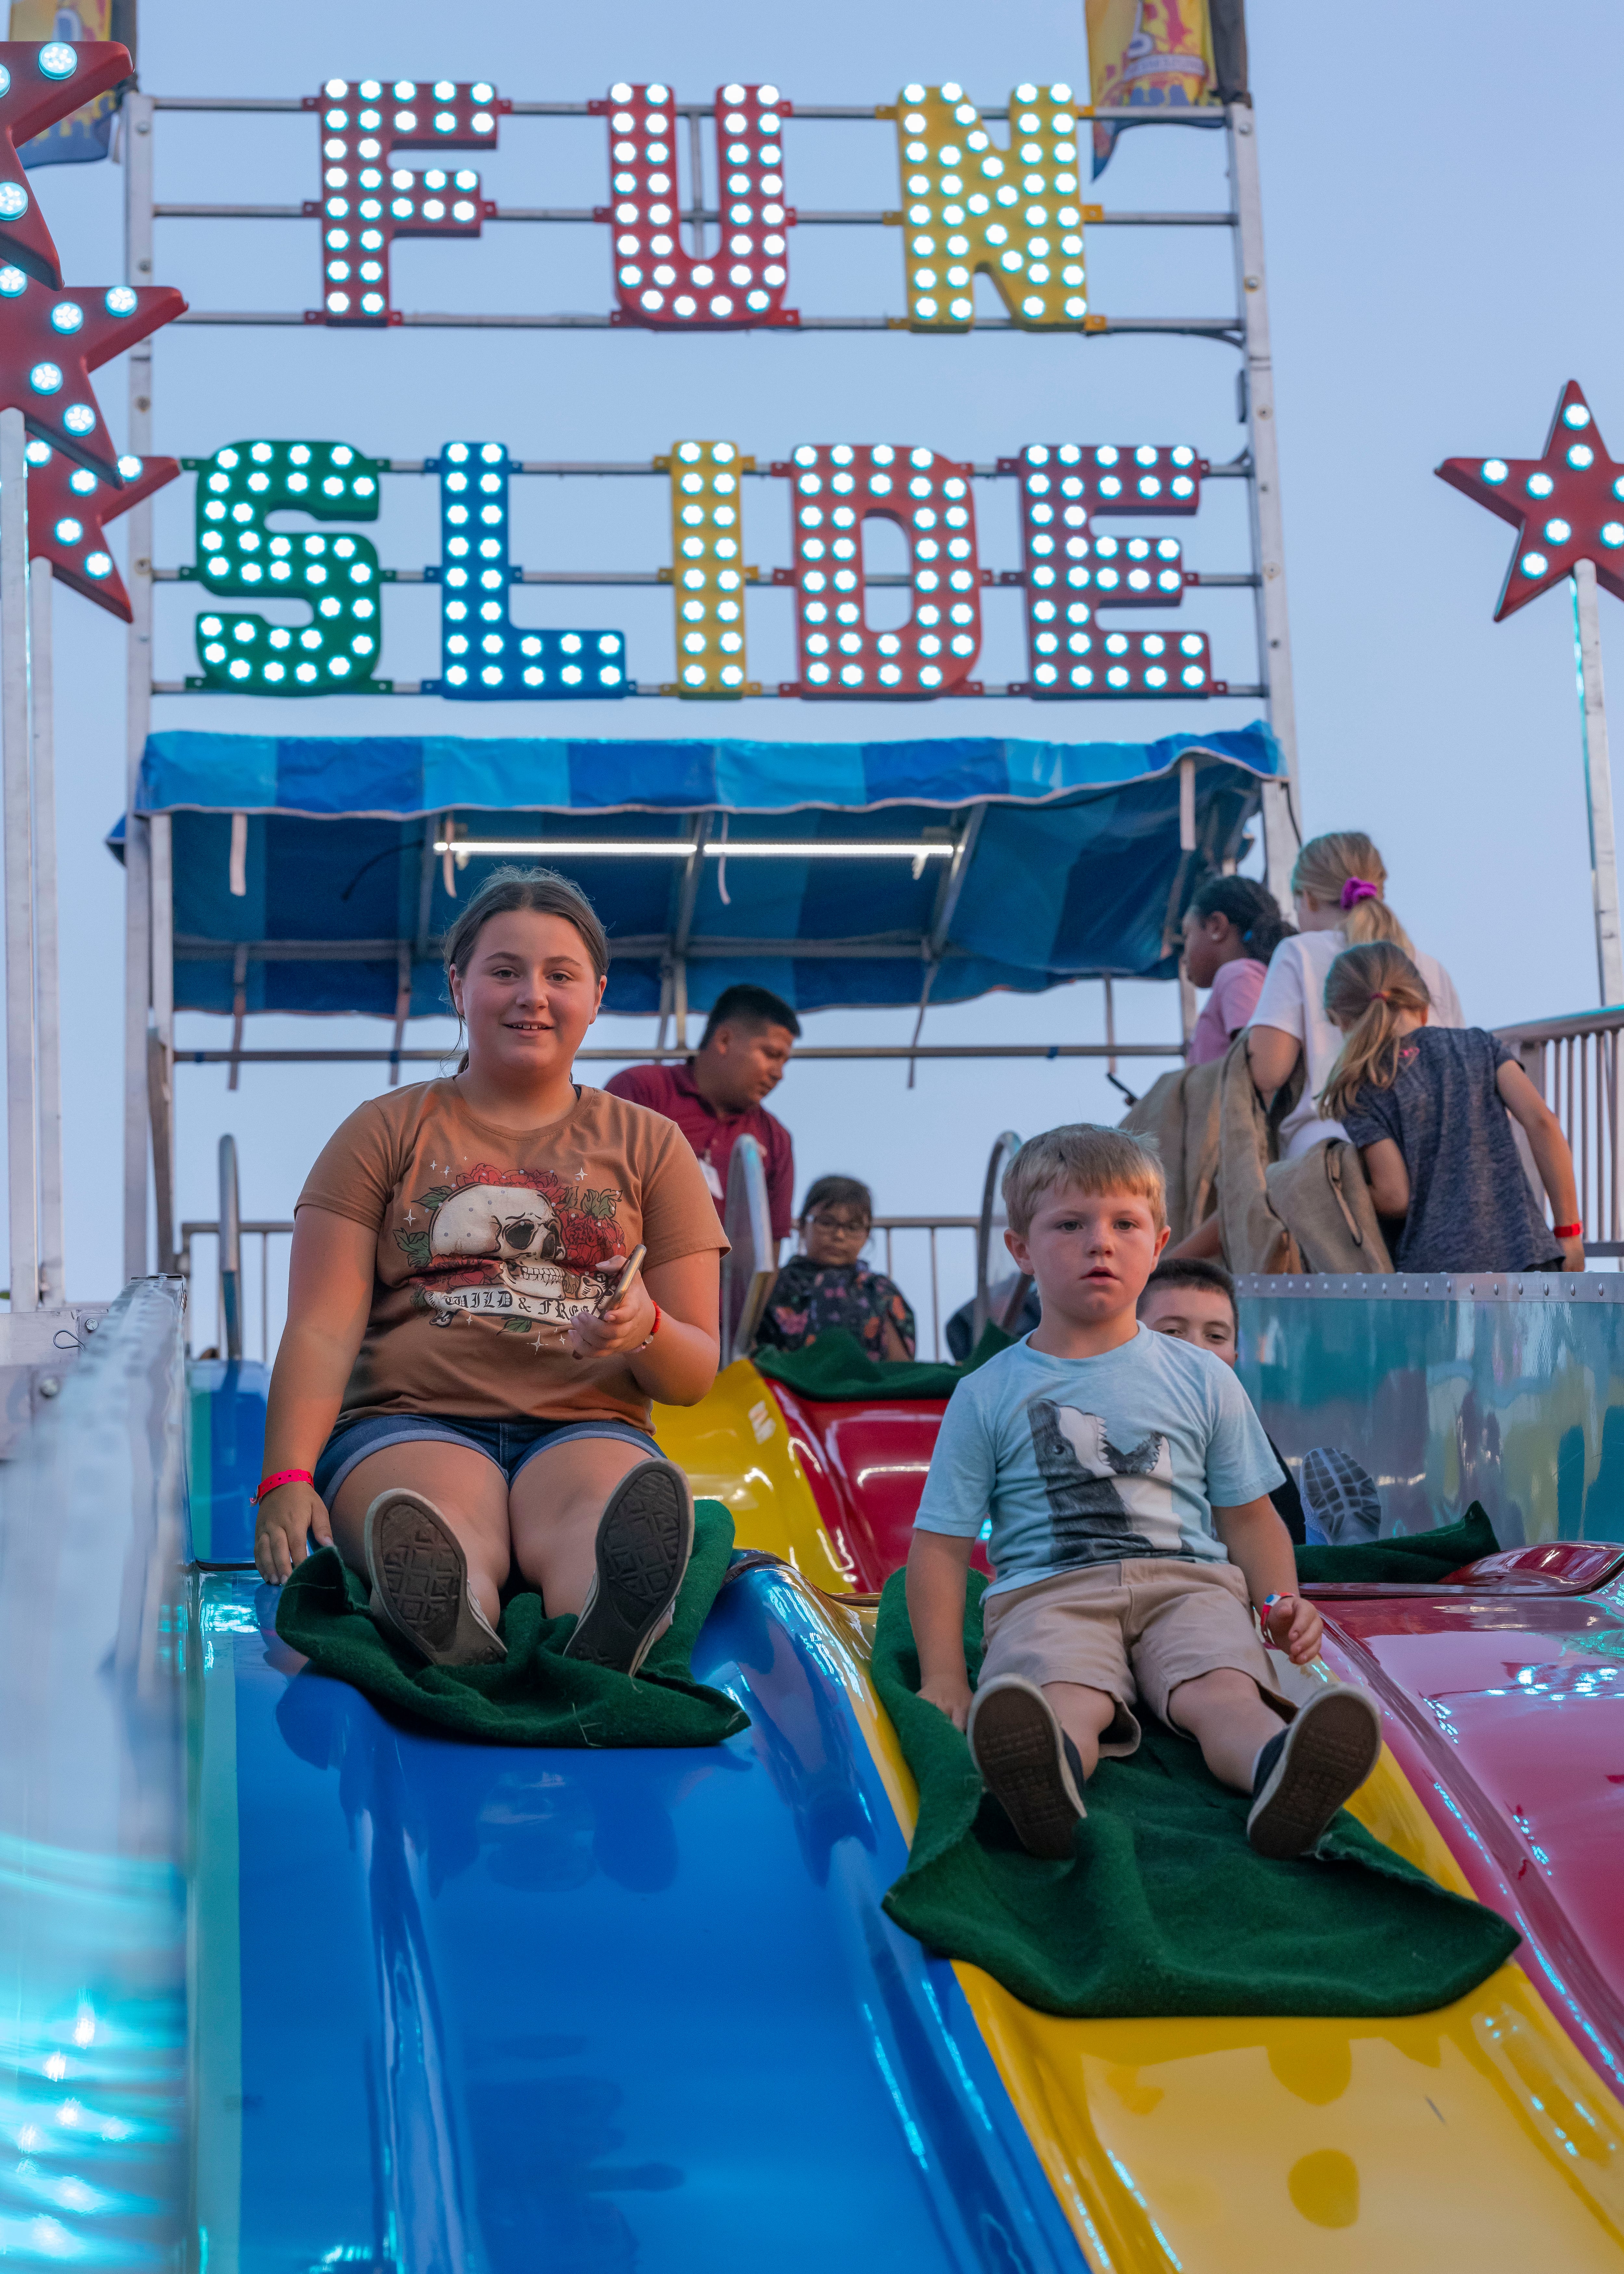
[
  {"x": 1573, "y": 1064},
  {"x": 931, "y": 1224},
  {"x": 265, "y": 1230}
]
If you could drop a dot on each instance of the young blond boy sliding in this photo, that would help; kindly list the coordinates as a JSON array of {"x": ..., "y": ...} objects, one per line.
[{"x": 1126, "y": 1476}]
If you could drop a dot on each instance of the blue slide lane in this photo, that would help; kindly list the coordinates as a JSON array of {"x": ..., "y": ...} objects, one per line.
[{"x": 589, "y": 2013}]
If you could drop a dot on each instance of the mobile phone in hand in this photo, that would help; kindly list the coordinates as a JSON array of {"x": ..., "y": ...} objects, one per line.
[{"x": 631, "y": 1271}]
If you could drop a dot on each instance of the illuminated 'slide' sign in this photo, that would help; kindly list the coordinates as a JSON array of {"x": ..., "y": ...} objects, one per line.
[{"x": 1072, "y": 572}]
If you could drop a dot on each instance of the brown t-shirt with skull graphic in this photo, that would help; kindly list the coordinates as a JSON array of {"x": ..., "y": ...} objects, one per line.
[{"x": 490, "y": 1241}]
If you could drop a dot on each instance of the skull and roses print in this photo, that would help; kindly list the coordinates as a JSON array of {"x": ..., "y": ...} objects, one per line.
[{"x": 490, "y": 1241}]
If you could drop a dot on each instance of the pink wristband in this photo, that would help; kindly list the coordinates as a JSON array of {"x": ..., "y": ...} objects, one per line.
[{"x": 281, "y": 1477}]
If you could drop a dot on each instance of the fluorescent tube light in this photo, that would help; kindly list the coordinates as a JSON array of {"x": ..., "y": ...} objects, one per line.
[{"x": 675, "y": 848}]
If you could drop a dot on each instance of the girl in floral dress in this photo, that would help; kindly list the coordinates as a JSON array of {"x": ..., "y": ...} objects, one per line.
[{"x": 830, "y": 1285}]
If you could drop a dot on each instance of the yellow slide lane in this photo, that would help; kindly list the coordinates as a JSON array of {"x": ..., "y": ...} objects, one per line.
[
  {"x": 734, "y": 1448},
  {"x": 1476, "y": 2137}
]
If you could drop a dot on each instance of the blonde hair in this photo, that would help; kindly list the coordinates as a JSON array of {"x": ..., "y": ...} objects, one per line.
[
  {"x": 1326, "y": 865},
  {"x": 1365, "y": 990},
  {"x": 1095, "y": 1159}
]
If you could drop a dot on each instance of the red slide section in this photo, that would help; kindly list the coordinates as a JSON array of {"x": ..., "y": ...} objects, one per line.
[{"x": 866, "y": 1464}]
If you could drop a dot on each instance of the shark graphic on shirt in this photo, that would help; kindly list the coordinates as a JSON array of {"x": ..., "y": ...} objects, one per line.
[{"x": 1107, "y": 1503}]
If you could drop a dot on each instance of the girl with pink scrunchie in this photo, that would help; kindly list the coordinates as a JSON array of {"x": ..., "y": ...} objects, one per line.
[{"x": 1338, "y": 887}]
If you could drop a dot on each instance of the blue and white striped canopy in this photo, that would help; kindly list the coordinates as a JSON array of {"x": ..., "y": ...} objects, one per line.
[{"x": 1037, "y": 862}]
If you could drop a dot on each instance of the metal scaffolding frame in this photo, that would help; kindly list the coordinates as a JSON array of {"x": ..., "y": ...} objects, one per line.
[{"x": 149, "y": 1049}]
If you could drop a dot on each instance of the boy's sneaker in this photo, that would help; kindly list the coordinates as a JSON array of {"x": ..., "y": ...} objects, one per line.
[
  {"x": 1028, "y": 1763},
  {"x": 420, "y": 1589},
  {"x": 1311, "y": 1769},
  {"x": 644, "y": 1539}
]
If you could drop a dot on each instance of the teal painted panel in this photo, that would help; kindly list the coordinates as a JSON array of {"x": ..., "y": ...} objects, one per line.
[
  {"x": 1517, "y": 1403},
  {"x": 227, "y": 1444}
]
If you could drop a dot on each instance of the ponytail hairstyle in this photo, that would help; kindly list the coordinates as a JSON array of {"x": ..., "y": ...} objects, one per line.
[
  {"x": 1251, "y": 907},
  {"x": 535, "y": 892},
  {"x": 1364, "y": 989},
  {"x": 1345, "y": 871}
]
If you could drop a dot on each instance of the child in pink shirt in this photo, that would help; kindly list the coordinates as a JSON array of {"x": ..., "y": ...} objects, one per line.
[{"x": 1231, "y": 929}]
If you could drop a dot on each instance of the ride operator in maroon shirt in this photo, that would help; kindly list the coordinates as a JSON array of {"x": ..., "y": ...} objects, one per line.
[{"x": 716, "y": 1096}]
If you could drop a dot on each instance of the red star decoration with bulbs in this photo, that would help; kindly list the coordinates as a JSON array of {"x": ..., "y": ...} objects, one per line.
[
  {"x": 52, "y": 339},
  {"x": 1567, "y": 506},
  {"x": 45, "y": 80},
  {"x": 64, "y": 498}
]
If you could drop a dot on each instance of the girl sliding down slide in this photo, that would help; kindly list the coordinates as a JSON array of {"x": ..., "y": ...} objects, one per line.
[{"x": 461, "y": 1388}]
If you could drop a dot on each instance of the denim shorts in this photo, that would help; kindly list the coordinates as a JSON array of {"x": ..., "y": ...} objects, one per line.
[{"x": 510, "y": 1444}]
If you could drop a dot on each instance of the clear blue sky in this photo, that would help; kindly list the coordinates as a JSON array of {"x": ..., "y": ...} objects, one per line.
[{"x": 1443, "y": 226}]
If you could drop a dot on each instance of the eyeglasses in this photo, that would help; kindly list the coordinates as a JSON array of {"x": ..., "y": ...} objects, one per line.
[{"x": 842, "y": 1227}]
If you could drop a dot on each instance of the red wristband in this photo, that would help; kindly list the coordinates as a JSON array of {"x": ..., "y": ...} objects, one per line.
[
  {"x": 1567, "y": 1231},
  {"x": 281, "y": 1477},
  {"x": 654, "y": 1329}
]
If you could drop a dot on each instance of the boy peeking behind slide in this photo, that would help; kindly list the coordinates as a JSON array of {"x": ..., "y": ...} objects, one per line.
[{"x": 1127, "y": 1479}]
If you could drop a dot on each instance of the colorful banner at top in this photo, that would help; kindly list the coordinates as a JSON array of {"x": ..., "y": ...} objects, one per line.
[
  {"x": 1147, "y": 54},
  {"x": 83, "y": 137}
]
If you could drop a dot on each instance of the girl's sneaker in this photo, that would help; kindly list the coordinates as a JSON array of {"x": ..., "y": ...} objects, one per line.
[
  {"x": 1342, "y": 1501},
  {"x": 644, "y": 1539},
  {"x": 1311, "y": 1769},
  {"x": 420, "y": 1589},
  {"x": 1028, "y": 1763}
]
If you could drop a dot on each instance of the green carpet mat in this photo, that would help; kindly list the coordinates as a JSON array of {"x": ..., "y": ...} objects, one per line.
[
  {"x": 1417, "y": 1556},
  {"x": 1163, "y": 1907},
  {"x": 837, "y": 1367},
  {"x": 535, "y": 1696}
]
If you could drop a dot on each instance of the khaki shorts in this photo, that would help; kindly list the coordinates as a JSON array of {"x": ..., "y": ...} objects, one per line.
[{"x": 1134, "y": 1630}]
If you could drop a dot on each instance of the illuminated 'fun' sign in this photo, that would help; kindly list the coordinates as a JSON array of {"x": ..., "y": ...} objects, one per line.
[{"x": 1009, "y": 211}]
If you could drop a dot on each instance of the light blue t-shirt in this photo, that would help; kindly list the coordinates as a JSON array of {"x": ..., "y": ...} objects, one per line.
[{"x": 1095, "y": 1460}]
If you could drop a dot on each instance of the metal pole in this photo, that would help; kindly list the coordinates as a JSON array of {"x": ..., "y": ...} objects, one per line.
[
  {"x": 1597, "y": 785},
  {"x": 1187, "y": 1007},
  {"x": 21, "y": 1096},
  {"x": 161, "y": 1035},
  {"x": 696, "y": 162},
  {"x": 1282, "y": 805},
  {"x": 935, "y": 1300},
  {"x": 48, "y": 991},
  {"x": 231, "y": 1251},
  {"x": 137, "y": 699},
  {"x": 1112, "y": 1051}
]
